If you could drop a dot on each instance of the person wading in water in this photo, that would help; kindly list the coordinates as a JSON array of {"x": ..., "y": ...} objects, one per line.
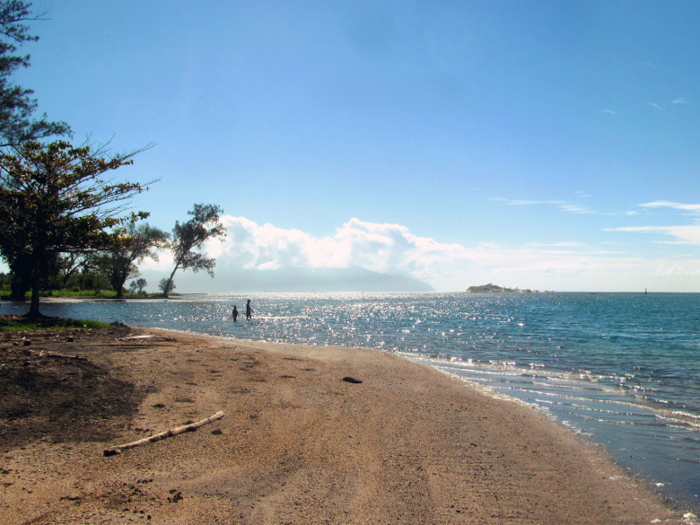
[
  {"x": 235, "y": 313},
  {"x": 248, "y": 311}
]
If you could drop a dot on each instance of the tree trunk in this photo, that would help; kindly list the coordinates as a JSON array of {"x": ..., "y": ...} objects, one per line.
[
  {"x": 36, "y": 284},
  {"x": 170, "y": 280}
]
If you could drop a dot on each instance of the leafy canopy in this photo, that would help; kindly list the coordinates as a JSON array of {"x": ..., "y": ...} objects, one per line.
[
  {"x": 191, "y": 235},
  {"x": 134, "y": 243},
  {"x": 54, "y": 199},
  {"x": 16, "y": 103}
]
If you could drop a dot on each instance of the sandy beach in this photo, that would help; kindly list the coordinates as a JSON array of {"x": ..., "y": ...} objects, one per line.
[{"x": 298, "y": 444}]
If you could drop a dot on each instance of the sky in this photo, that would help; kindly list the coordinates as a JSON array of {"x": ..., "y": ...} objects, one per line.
[{"x": 539, "y": 144}]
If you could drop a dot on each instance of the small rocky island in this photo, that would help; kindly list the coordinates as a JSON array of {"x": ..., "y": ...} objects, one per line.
[{"x": 494, "y": 288}]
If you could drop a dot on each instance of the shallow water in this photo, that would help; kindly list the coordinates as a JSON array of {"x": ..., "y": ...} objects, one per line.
[{"x": 620, "y": 368}]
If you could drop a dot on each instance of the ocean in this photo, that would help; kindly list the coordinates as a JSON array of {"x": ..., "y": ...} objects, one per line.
[{"x": 620, "y": 369}]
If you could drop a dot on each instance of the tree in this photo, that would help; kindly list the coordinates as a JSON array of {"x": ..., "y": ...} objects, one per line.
[
  {"x": 138, "y": 285},
  {"x": 166, "y": 285},
  {"x": 16, "y": 103},
  {"x": 203, "y": 225},
  {"x": 133, "y": 244},
  {"x": 54, "y": 200}
]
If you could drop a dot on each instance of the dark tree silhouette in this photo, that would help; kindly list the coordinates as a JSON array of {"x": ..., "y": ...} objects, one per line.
[
  {"x": 191, "y": 235},
  {"x": 54, "y": 200},
  {"x": 133, "y": 244},
  {"x": 16, "y": 103}
]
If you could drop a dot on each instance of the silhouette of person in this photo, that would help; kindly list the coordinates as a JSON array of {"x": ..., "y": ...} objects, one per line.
[
  {"x": 235, "y": 313},
  {"x": 248, "y": 311}
]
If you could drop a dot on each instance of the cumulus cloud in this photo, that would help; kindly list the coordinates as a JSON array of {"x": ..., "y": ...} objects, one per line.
[
  {"x": 386, "y": 248},
  {"x": 392, "y": 248}
]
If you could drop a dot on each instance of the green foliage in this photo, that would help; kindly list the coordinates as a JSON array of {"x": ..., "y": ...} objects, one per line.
[
  {"x": 54, "y": 200},
  {"x": 21, "y": 324},
  {"x": 16, "y": 104},
  {"x": 132, "y": 245},
  {"x": 166, "y": 285},
  {"x": 138, "y": 286},
  {"x": 191, "y": 235}
]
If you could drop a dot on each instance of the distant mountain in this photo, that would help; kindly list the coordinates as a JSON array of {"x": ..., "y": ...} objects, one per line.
[{"x": 354, "y": 279}]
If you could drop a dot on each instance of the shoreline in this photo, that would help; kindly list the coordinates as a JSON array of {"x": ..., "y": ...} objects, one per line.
[{"x": 297, "y": 444}]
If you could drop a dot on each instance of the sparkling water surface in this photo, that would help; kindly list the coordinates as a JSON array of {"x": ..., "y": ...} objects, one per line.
[{"x": 622, "y": 369}]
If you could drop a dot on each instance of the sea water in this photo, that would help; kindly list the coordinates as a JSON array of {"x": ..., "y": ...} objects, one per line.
[{"x": 621, "y": 369}]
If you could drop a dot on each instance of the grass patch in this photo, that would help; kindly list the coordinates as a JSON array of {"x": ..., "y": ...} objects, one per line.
[
  {"x": 81, "y": 293},
  {"x": 14, "y": 323}
]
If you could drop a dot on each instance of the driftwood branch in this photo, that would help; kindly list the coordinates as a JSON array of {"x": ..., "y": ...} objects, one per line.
[
  {"x": 57, "y": 356},
  {"x": 168, "y": 433}
]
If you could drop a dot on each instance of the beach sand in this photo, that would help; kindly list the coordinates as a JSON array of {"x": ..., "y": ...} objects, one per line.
[{"x": 297, "y": 444}]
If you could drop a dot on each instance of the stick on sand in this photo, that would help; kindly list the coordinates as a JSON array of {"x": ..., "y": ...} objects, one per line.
[{"x": 168, "y": 433}]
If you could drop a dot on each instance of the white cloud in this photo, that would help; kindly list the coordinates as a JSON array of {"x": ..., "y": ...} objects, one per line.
[
  {"x": 676, "y": 205},
  {"x": 655, "y": 106},
  {"x": 577, "y": 209},
  {"x": 687, "y": 234},
  {"x": 392, "y": 248},
  {"x": 610, "y": 111},
  {"x": 558, "y": 244},
  {"x": 511, "y": 202},
  {"x": 562, "y": 205},
  {"x": 387, "y": 248},
  {"x": 680, "y": 100},
  {"x": 683, "y": 234}
]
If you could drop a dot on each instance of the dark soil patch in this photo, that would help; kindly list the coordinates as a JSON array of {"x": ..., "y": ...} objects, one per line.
[{"x": 48, "y": 393}]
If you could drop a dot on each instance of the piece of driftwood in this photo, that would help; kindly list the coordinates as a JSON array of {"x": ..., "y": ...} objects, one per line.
[
  {"x": 147, "y": 336},
  {"x": 168, "y": 433},
  {"x": 58, "y": 356}
]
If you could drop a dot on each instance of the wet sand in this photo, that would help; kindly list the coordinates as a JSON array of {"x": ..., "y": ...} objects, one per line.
[{"x": 299, "y": 445}]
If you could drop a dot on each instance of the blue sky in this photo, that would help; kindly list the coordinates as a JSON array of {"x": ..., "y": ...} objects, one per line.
[{"x": 540, "y": 144}]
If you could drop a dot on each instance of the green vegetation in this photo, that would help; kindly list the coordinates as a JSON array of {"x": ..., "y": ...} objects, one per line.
[
  {"x": 192, "y": 234},
  {"x": 64, "y": 230},
  {"x": 21, "y": 324},
  {"x": 93, "y": 294},
  {"x": 494, "y": 288},
  {"x": 54, "y": 199},
  {"x": 133, "y": 244},
  {"x": 16, "y": 104}
]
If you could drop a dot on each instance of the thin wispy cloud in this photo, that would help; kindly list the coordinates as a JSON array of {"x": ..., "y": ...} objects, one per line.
[
  {"x": 571, "y": 208},
  {"x": 685, "y": 234},
  {"x": 569, "y": 244},
  {"x": 653, "y": 105},
  {"x": 681, "y": 100},
  {"x": 695, "y": 208},
  {"x": 562, "y": 205},
  {"x": 682, "y": 234},
  {"x": 609, "y": 111},
  {"x": 510, "y": 202}
]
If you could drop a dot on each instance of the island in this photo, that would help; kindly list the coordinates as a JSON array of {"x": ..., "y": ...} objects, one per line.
[{"x": 494, "y": 288}]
